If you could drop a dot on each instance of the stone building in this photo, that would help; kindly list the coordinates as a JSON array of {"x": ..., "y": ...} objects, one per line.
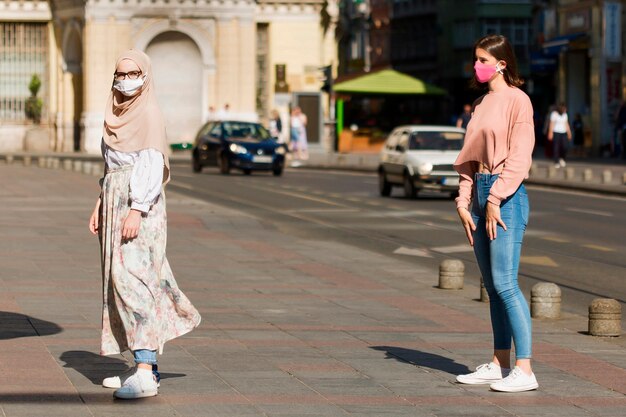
[{"x": 204, "y": 52}]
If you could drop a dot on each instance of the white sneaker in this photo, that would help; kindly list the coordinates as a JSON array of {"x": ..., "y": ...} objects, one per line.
[
  {"x": 485, "y": 374},
  {"x": 117, "y": 381},
  {"x": 141, "y": 384},
  {"x": 557, "y": 165},
  {"x": 517, "y": 381},
  {"x": 562, "y": 163}
]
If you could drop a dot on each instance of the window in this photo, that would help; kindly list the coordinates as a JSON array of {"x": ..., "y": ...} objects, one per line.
[{"x": 23, "y": 52}]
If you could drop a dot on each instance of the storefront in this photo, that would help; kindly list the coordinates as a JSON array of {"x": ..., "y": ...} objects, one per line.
[
  {"x": 589, "y": 75},
  {"x": 372, "y": 105}
]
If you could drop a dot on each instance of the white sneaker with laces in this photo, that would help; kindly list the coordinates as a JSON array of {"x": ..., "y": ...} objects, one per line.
[
  {"x": 517, "y": 381},
  {"x": 562, "y": 163},
  {"x": 486, "y": 373},
  {"x": 117, "y": 381},
  {"x": 139, "y": 385}
]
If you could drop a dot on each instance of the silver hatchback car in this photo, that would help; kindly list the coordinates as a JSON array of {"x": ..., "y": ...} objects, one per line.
[{"x": 419, "y": 157}]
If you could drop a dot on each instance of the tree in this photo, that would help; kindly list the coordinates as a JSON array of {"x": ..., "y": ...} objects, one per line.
[{"x": 34, "y": 104}]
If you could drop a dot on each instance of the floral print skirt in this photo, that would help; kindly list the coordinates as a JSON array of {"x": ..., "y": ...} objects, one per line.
[{"x": 142, "y": 305}]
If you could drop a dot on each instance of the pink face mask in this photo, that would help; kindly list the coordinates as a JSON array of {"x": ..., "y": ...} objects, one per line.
[{"x": 484, "y": 72}]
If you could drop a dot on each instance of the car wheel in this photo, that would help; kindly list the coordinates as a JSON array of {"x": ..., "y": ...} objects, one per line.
[
  {"x": 278, "y": 171},
  {"x": 224, "y": 164},
  {"x": 384, "y": 186},
  {"x": 247, "y": 171},
  {"x": 409, "y": 188},
  {"x": 196, "y": 166}
]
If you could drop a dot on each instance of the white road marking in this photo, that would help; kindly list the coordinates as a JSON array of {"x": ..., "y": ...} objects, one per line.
[
  {"x": 453, "y": 249},
  {"x": 594, "y": 212},
  {"x": 412, "y": 252}
]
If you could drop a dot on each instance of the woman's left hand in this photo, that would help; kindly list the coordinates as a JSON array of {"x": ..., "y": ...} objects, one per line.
[
  {"x": 130, "y": 228},
  {"x": 493, "y": 219}
]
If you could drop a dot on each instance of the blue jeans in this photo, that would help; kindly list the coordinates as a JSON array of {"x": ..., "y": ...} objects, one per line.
[
  {"x": 498, "y": 260},
  {"x": 149, "y": 357}
]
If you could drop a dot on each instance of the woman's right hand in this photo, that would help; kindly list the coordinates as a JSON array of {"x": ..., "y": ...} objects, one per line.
[
  {"x": 95, "y": 219},
  {"x": 468, "y": 223}
]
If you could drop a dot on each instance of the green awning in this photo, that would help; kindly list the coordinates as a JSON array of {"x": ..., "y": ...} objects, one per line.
[{"x": 387, "y": 82}]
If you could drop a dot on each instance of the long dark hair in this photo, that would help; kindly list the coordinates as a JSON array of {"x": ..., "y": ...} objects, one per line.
[{"x": 500, "y": 48}]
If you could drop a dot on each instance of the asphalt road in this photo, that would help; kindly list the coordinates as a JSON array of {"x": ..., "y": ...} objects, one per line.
[{"x": 575, "y": 240}]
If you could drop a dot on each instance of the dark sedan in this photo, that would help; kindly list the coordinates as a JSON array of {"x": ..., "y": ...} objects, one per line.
[{"x": 246, "y": 146}]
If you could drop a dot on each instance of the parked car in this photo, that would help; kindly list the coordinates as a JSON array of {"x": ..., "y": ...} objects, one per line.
[
  {"x": 418, "y": 157},
  {"x": 229, "y": 144}
]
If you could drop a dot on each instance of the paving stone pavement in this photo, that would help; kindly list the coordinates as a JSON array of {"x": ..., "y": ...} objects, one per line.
[{"x": 291, "y": 327}]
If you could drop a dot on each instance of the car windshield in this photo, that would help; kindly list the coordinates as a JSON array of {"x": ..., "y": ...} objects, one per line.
[
  {"x": 246, "y": 132},
  {"x": 436, "y": 141}
]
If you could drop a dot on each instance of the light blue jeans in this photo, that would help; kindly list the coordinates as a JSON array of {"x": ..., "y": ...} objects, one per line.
[
  {"x": 498, "y": 260},
  {"x": 149, "y": 357}
]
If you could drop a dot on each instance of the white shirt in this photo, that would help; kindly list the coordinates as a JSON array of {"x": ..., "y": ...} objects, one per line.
[
  {"x": 560, "y": 122},
  {"x": 146, "y": 178}
]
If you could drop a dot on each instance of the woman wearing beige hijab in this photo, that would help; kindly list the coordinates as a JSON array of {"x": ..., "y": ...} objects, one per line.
[{"x": 142, "y": 305}]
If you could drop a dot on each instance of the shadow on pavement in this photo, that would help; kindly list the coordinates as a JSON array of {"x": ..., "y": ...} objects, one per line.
[
  {"x": 16, "y": 325},
  {"x": 54, "y": 398},
  {"x": 97, "y": 367},
  {"x": 424, "y": 359}
]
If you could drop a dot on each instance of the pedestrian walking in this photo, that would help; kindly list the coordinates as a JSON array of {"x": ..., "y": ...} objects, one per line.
[
  {"x": 142, "y": 305},
  {"x": 495, "y": 159},
  {"x": 464, "y": 117},
  {"x": 299, "y": 143},
  {"x": 560, "y": 134}
]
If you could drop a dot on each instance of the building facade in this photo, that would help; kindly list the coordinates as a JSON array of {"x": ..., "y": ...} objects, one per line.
[{"x": 204, "y": 53}]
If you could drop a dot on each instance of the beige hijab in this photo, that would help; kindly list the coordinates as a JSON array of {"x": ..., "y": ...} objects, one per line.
[{"x": 135, "y": 123}]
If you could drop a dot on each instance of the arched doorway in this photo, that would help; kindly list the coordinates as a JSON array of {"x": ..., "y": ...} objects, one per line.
[{"x": 177, "y": 67}]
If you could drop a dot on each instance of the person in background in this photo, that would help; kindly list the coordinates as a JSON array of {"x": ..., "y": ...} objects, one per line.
[
  {"x": 464, "y": 117},
  {"x": 143, "y": 307},
  {"x": 579, "y": 134},
  {"x": 495, "y": 159},
  {"x": 212, "y": 115},
  {"x": 299, "y": 144},
  {"x": 620, "y": 135},
  {"x": 559, "y": 134},
  {"x": 276, "y": 125}
]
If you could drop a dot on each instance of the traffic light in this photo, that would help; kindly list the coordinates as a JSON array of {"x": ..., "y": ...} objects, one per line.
[{"x": 327, "y": 78}]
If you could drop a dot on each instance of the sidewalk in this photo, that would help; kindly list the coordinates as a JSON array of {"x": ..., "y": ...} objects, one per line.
[{"x": 291, "y": 327}]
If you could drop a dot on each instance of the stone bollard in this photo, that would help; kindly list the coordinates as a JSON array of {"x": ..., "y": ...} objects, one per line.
[
  {"x": 9, "y": 159},
  {"x": 86, "y": 167},
  {"x": 49, "y": 162},
  {"x": 587, "y": 175},
  {"x": 67, "y": 164},
  {"x": 534, "y": 169},
  {"x": 551, "y": 171},
  {"x": 607, "y": 176},
  {"x": 78, "y": 166},
  {"x": 451, "y": 274},
  {"x": 484, "y": 295},
  {"x": 570, "y": 173},
  {"x": 96, "y": 170},
  {"x": 605, "y": 316},
  {"x": 41, "y": 162},
  {"x": 545, "y": 301},
  {"x": 27, "y": 160}
]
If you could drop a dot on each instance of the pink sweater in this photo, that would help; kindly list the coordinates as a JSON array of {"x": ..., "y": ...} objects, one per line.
[{"x": 501, "y": 136}]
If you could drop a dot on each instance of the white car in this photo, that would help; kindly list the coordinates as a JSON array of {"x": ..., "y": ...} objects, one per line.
[{"x": 418, "y": 157}]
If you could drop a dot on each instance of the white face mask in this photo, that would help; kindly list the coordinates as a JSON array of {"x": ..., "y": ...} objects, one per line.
[{"x": 129, "y": 87}]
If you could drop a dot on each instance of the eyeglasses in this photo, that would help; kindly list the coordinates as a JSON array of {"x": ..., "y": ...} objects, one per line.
[{"x": 131, "y": 75}]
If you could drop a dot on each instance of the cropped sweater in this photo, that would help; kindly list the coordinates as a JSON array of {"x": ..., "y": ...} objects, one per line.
[{"x": 500, "y": 136}]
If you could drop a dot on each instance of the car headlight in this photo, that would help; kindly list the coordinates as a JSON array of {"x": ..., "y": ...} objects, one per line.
[
  {"x": 425, "y": 168},
  {"x": 234, "y": 148},
  {"x": 280, "y": 150}
]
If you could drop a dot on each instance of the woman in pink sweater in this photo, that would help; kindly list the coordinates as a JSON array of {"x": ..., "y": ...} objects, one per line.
[{"x": 494, "y": 161}]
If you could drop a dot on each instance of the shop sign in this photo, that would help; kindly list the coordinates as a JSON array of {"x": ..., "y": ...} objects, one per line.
[
  {"x": 577, "y": 21},
  {"x": 612, "y": 30}
]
